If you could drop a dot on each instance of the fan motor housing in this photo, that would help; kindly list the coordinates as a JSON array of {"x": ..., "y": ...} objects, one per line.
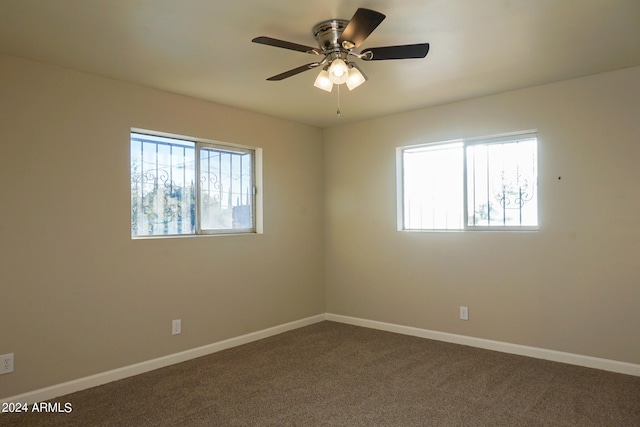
[{"x": 328, "y": 32}]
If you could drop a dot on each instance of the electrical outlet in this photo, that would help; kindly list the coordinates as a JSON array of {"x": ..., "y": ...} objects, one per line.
[
  {"x": 176, "y": 327},
  {"x": 6, "y": 363},
  {"x": 464, "y": 313}
]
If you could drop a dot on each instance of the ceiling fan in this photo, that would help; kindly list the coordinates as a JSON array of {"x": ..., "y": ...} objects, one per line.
[{"x": 336, "y": 40}]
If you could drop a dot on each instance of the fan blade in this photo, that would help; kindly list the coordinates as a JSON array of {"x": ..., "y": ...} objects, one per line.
[
  {"x": 396, "y": 52},
  {"x": 293, "y": 72},
  {"x": 286, "y": 45},
  {"x": 363, "y": 22}
]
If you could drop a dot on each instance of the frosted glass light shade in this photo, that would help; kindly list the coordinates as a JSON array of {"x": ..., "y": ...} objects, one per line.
[
  {"x": 355, "y": 78},
  {"x": 338, "y": 71},
  {"x": 323, "y": 81}
]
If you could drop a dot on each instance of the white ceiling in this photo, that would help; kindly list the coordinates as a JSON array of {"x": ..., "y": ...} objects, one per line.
[{"x": 202, "y": 48}]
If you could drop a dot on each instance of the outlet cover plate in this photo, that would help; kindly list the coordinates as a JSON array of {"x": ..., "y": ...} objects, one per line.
[
  {"x": 176, "y": 327},
  {"x": 6, "y": 363}
]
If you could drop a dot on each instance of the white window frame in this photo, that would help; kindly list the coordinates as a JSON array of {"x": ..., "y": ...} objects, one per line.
[
  {"x": 199, "y": 144},
  {"x": 494, "y": 139}
]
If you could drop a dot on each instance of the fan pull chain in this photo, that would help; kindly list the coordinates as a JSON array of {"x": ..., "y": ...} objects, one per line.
[{"x": 338, "y": 111}]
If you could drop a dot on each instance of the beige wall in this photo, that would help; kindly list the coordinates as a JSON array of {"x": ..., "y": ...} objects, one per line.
[
  {"x": 573, "y": 286},
  {"x": 77, "y": 295}
]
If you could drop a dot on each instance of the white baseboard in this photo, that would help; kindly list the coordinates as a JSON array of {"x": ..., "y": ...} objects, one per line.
[
  {"x": 150, "y": 365},
  {"x": 538, "y": 353}
]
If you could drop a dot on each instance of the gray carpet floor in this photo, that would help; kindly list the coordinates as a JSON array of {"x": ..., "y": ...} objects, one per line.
[{"x": 331, "y": 374}]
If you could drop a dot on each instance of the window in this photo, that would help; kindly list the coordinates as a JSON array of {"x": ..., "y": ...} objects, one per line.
[
  {"x": 184, "y": 187},
  {"x": 488, "y": 183}
]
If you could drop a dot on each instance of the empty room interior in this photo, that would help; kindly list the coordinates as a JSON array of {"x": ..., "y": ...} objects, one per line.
[{"x": 325, "y": 227}]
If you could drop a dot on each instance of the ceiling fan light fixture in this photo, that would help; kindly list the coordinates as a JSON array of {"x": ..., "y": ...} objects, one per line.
[
  {"x": 336, "y": 40},
  {"x": 355, "y": 78},
  {"x": 323, "y": 81},
  {"x": 338, "y": 71}
]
